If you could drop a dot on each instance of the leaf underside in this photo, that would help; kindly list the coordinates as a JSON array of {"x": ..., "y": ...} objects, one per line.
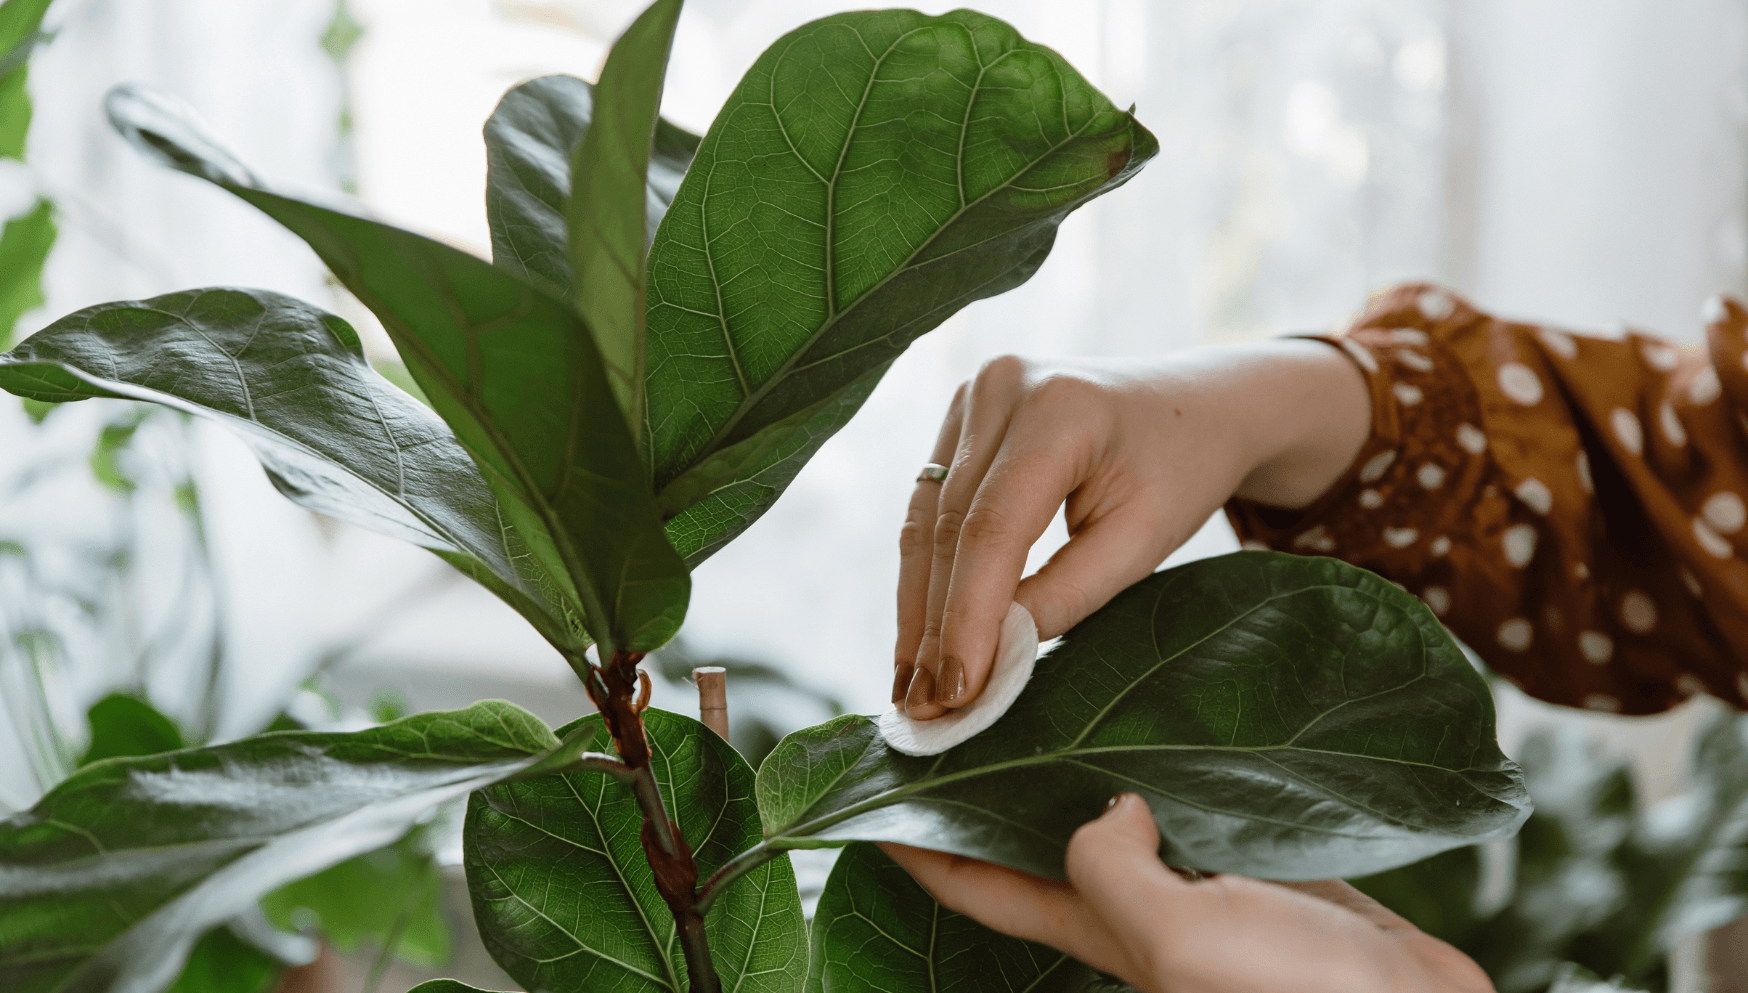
[
  {"x": 292, "y": 382},
  {"x": 565, "y": 900},
  {"x": 510, "y": 368},
  {"x": 110, "y": 879},
  {"x": 1284, "y": 717},
  {"x": 873, "y": 173}
]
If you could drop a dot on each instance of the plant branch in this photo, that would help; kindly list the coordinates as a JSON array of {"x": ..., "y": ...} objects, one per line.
[{"x": 621, "y": 692}]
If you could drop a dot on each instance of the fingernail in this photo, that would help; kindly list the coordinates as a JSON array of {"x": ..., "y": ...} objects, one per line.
[
  {"x": 952, "y": 684},
  {"x": 1112, "y": 802},
  {"x": 922, "y": 690},
  {"x": 901, "y": 681}
]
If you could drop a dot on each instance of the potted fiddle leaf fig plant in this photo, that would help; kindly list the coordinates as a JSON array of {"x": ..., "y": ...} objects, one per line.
[{"x": 669, "y": 328}]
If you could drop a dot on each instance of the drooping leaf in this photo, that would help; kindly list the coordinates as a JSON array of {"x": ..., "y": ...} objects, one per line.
[
  {"x": 605, "y": 213},
  {"x": 24, "y": 248},
  {"x": 877, "y": 930},
  {"x": 565, "y": 899},
  {"x": 1285, "y": 717},
  {"x": 511, "y": 370},
  {"x": 293, "y": 383},
  {"x": 872, "y": 173},
  {"x": 223, "y": 963},
  {"x": 107, "y": 883},
  {"x": 123, "y": 725},
  {"x": 529, "y": 139},
  {"x": 363, "y": 902}
]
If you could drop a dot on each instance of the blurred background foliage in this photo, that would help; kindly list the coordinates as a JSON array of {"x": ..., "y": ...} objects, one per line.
[{"x": 1313, "y": 150}]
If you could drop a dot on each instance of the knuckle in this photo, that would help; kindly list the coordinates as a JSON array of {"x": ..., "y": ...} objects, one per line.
[
  {"x": 947, "y": 525},
  {"x": 983, "y": 524},
  {"x": 913, "y": 538},
  {"x": 1001, "y": 370},
  {"x": 1060, "y": 388}
]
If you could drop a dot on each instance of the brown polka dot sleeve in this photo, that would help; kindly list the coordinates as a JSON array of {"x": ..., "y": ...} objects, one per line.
[{"x": 1571, "y": 507}]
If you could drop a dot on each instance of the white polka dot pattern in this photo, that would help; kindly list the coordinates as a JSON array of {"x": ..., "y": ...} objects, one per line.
[
  {"x": 1638, "y": 612},
  {"x": 1535, "y": 495},
  {"x": 1627, "y": 430},
  {"x": 1414, "y": 360},
  {"x": 1596, "y": 647},
  {"x": 1724, "y": 511},
  {"x": 1407, "y": 394},
  {"x": 1436, "y": 305},
  {"x": 1440, "y": 546},
  {"x": 1371, "y": 499},
  {"x": 1558, "y": 342},
  {"x": 1585, "y": 482},
  {"x": 1714, "y": 544},
  {"x": 1438, "y": 598},
  {"x": 1520, "y": 383},
  {"x": 1375, "y": 468},
  {"x": 1360, "y": 354},
  {"x": 1660, "y": 357},
  {"x": 1520, "y": 544},
  {"x": 1516, "y": 635},
  {"x": 1705, "y": 387},
  {"x": 1430, "y": 476},
  {"x": 1400, "y": 537},
  {"x": 1671, "y": 424},
  {"x": 1471, "y": 439}
]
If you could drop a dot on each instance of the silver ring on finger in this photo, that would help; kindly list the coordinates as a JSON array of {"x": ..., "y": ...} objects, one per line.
[{"x": 932, "y": 472}]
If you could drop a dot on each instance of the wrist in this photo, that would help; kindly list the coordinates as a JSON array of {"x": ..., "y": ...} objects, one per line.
[{"x": 1306, "y": 413}]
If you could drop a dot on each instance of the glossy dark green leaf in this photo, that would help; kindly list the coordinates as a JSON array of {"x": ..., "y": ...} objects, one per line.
[
  {"x": 223, "y": 963},
  {"x": 445, "y": 986},
  {"x": 110, "y": 879},
  {"x": 293, "y": 383},
  {"x": 877, "y": 930},
  {"x": 1285, "y": 717},
  {"x": 565, "y": 900},
  {"x": 605, "y": 213},
  {"x": 510, "y": 368},
  {"x": 873, "y": 173},
  {"x": 394, "y": 892},
  {"x": 122, "y": 724},
  {"x": 24, "y": 247},
  {"x": 529, "y": 139}
]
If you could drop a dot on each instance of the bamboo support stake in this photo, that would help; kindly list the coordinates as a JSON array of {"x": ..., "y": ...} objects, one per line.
[{"x": 713, "y": 697}]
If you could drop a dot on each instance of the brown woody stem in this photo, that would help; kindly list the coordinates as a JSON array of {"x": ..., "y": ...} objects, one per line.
[{"x": 614, "y": 689}]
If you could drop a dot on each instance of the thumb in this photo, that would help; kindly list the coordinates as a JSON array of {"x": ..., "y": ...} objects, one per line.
[{"x": 1116, "y": 850}]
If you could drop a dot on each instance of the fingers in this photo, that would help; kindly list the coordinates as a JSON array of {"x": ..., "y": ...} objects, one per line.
[
  {"x": 915, "y": 548},
  {"x": 988, "y": 407},
  {"x": 1013, "y": 902},
  {"x": 1102, "y": 559}
]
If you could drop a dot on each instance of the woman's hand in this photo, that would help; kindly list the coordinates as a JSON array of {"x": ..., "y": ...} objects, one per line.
[
  {"x": 1141, "y": 452},
  {"x": 1124, "y": 912}
]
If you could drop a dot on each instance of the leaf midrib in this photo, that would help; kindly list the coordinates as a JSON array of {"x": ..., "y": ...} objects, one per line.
[{"x": 751, "y": 398}]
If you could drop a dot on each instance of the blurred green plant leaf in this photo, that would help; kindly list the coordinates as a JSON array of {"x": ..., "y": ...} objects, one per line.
[
  {"x": 565, "y": 900},
  {"x": 529, "y": 140},
  {"x": 1285, "y": 717},
  {"x": 20, "y": 33},
  {"x": 112, "y": 439},
  {"x": 877, "y": 930},
  {"x": 125, "y": 725},
  {"x": 605, "y": 216},
  {"x": 292, "y": 382},
  {"x": 393, "y": 892},
  {"x": 24, "y": 248},
  {"x": 223, "y": 963},
  {"x": 1436, "y": 895},
  {"x": 511, "y": 369},
  {"x": 107, "y": 883},
  {"x": 873, "y": 173}
]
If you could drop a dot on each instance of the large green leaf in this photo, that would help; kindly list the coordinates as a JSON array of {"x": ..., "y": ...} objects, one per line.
[
  {"x": 605, "y": 214},
  {"x": 292, "y": 381},
  {"x": 565, "y": 899},
  {"x": 223, "y": 963},
  {"x": 529, "y": 139},
  {"x": 510, "y": 368},
  {"x": 110, "y": 879},
  {"x": 877, "y": 930},
  {"x": 873, "y": 173},
  {"x": 24, "y": 247},
  {"x": 1285, "y": 717}
]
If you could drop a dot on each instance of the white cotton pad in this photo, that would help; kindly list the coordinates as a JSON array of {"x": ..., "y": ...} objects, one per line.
[{"x": 1015, "y": 654}]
